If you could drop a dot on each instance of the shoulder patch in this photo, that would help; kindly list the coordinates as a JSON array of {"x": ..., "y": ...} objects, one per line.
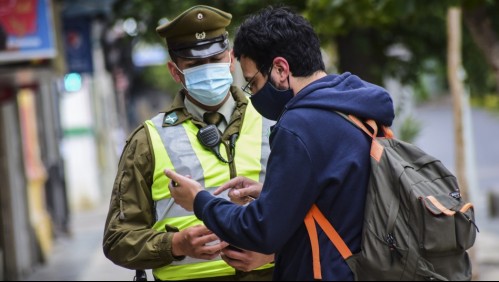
[{"x": 171, "y": 118}]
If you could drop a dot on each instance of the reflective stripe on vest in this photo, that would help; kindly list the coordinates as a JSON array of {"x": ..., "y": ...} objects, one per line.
[{"x": 177, "y": 148}]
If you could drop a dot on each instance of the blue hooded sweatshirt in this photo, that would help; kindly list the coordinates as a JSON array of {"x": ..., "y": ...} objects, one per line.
[{"x": 316, "y": 157}]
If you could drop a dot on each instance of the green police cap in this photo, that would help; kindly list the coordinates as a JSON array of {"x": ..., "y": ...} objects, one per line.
[{"x": 198, "y": 32}]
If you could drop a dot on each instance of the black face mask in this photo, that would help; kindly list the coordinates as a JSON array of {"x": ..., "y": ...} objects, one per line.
[{"x": 270, "y": 101}]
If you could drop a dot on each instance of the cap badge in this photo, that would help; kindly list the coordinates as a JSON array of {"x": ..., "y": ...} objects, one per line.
[
  {"x": 200, "y": 16},
  {"x": 201, "y": 35}
]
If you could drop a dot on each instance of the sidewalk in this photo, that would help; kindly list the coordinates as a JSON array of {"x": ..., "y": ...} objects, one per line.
[
  {"x": 79, "y": 257},
  {"x": 487, "y": 254}
]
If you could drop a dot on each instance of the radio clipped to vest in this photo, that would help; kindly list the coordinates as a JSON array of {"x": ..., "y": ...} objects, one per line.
[{"x": 210, "y": 137}]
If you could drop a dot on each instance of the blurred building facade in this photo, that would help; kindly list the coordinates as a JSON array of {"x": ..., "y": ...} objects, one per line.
[{"x": 60, "y": 126}]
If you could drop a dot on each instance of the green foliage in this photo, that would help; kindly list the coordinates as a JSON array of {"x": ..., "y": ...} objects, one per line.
[
  {"x": 409, "y": 129},
  {"x": 479, "y": 74},
  {"x": 337, "y": 17},
  {"x": 368, "y": 28},
  {"x": 488, "y": 101},
  {"x": 417, "y": 25},
  {"x": 421, "y": 91},
  {"x": 151, "y": 12}
]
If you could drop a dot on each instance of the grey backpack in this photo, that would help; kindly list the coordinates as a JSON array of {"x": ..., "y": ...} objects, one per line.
[{"x": 416, "y": 224}]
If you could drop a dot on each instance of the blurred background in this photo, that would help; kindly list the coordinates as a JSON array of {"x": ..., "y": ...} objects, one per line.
[{"x": 77, "y": 76}]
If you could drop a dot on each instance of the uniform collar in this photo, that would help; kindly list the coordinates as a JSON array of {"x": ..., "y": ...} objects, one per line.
[
  {"x": 226, "y": 110},
  {"x": 178, "y": 112}
]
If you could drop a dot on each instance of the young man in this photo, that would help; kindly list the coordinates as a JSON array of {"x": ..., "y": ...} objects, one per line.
[
  {"x": 317, "y": 156},
  {"x": 145, "y": 229}
]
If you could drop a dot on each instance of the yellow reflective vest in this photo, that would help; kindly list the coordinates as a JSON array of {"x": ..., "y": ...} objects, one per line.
[{"x": 177, "y": 148}]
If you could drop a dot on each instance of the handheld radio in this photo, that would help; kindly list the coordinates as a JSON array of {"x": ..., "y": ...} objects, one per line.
[{"x": 210, "y": 137}]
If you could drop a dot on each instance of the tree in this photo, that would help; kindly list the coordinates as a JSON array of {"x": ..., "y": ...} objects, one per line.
[
  {"x": 365, "y": 29},
  {"x": 479, "y": 20},
  {"x": 364, "y": 32}
]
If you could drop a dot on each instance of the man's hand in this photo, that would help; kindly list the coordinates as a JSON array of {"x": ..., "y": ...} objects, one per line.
[
  {"x": 197, "y": 242},
  {"x": 245, "y": 260},
  {"x": 241, "y": 189},
  {"x": 183, "y": 189}
]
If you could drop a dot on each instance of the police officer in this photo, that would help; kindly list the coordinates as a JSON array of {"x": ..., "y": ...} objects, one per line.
[{"x": 145, "y": 229}]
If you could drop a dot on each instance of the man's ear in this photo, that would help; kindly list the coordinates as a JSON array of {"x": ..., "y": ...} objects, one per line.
[
  {"x": 282, "y": 67},
  {"x": 232, "y": 61},
  {"x": 174, "y": 72}
]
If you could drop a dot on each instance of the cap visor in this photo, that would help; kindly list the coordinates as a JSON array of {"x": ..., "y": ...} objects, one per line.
[{"x": 203, "y": 51}]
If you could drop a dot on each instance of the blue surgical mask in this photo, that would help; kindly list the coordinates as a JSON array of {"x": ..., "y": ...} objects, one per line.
[
  {"x": 270, "y": 101},
  {"x": 209, "y": 83}
]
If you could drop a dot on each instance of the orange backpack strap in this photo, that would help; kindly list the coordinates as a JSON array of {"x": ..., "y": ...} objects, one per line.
[
  {"x": 315, "y": 215},
  {"x": 388, "y": 133},
  {"x": 314, "y": 241},
  {"x": 361, "y": 125},
  {"x": 376, "y": 147}
]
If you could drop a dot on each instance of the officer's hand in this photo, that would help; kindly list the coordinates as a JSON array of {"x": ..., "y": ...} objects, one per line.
[
  {"x": 241, "y": 189},
  {"x": 197, "y": 242},
  {"x": 183, "y": 189},
  {"x": 245, "y": 260}
]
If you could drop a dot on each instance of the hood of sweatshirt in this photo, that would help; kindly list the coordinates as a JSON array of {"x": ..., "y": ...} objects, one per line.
[{"x": 349, "y": 94}]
